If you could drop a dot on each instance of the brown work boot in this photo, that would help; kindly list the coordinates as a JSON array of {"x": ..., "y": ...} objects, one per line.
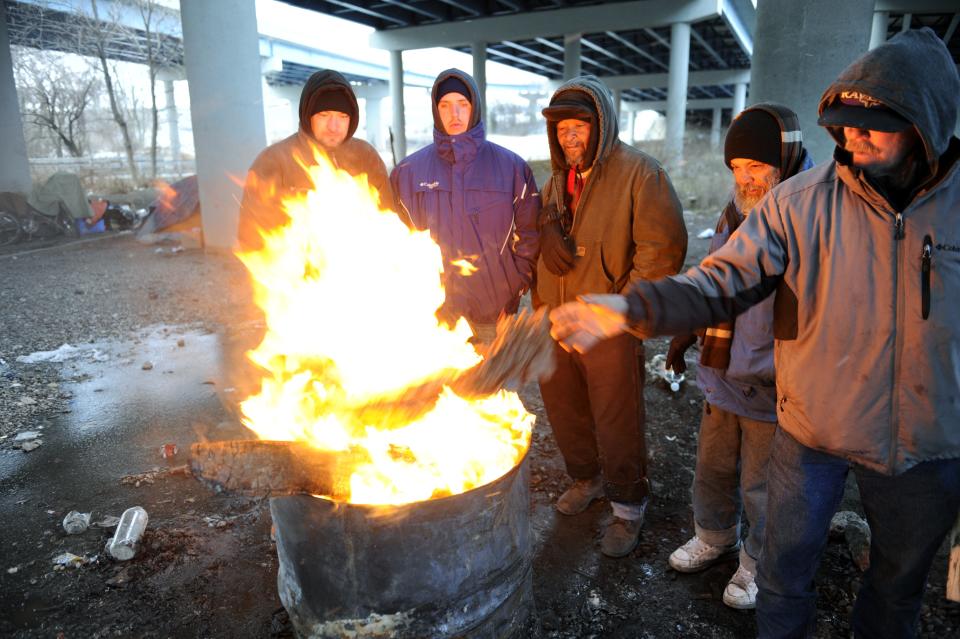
[
  {"x": 620, "y": 537},
  {"x": 577, "y": 498}
]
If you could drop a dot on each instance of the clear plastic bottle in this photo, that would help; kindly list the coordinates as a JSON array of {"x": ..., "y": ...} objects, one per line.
[
  {"x": 673, "y": 379},
  {"x": 76, "y": 522},
  {"x": 133, "y": 522}
]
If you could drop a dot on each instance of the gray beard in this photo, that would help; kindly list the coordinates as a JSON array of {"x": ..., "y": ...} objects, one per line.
[{"x": 745, "y": 202}]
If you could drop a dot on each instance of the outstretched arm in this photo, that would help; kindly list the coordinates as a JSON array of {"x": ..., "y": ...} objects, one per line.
[{"x": 740, "y": 274}]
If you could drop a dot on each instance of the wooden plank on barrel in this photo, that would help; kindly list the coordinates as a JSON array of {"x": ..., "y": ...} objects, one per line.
[
  {"x": 953, "y": 571},
  {"x": 272, "y": 468}
]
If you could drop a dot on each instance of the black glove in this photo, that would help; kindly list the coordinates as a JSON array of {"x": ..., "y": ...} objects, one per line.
[
  {"x": 679, "y": 346},
  {"x": 556, "y": 248}
]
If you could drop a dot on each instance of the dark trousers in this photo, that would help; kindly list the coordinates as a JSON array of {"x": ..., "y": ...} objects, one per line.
[
  {"x": 909, "y": 515},
  {"x": 595, "y": 406}
]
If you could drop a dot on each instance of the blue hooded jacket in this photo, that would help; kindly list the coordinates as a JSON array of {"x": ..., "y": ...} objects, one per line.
[{"x": 480, "y": 203}]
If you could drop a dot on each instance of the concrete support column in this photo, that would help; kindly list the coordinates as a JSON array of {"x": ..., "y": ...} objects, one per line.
[
  {"x": 14, "y": 166},
  {"x": 878, "y": 31},
  {"x": 173, "y": 124},
  {"x": 480, "y": 75},
  {"x": 396, "y": 94},
  {"x": 222, "y": 59},
  {"x": 715, "y": 128},
  {"x": 739, "y": 98},
  {"x": 797, "y": 54},
  {"x": 571, "y": 55},
  {"x": 633, "y": 126},
  {"x": 617, "y": 101},
  {"x": 372, "y": 110},
  {"x": 677, "y": 92}
]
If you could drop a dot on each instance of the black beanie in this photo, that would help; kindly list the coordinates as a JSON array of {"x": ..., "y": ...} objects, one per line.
[
  {"x": 753, "y": 135},
  {"x": 332, "y": 100},
  {"x": 453, "y": 84}
]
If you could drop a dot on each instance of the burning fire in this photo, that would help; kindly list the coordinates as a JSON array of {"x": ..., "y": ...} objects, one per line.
[{"x": 349, "y": 294}]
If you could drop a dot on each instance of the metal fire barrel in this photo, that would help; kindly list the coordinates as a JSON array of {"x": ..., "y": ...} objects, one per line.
[{"x": 457, "y": 566}]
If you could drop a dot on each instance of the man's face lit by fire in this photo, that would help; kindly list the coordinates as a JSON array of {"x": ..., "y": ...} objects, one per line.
[
  {"x": 880, "y": 153},
  {"x": 455, "y": 111},
  {"x": 752, "y": 179},
  {"x": 573, "y": 136},
  {"x": 330, "y": 128}
]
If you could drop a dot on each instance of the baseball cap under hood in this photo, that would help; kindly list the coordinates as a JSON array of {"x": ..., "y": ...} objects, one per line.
[{"x": 913, "y": 76}]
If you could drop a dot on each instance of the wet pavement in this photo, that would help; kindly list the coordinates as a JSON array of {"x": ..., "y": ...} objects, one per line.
[{"x": 126, "y": 400}]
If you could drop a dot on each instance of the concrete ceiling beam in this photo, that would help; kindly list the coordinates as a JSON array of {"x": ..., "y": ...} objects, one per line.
[
  {"x": 588, "y": 19},
  {"x": 692, "y": 105},
  {"x": 916, "y": 6},
  {"x": 659, "y": 80}
]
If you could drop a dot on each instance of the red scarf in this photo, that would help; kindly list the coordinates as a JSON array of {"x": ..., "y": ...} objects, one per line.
[{"x": 574, "y": 186}]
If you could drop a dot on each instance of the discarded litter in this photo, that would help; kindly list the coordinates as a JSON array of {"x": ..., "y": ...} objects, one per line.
[
  {"x": 25, "y": 435},
  {"x": 168, "y": 451},
  {"x": 109, "y": 521},
  {"x": 68, "y": 560},
  {"x": 147, "y": 366},
  {"x": 124, "y": 544},
  {"x": 151, "y": 475},
  {"x": 30, "y": 445},
  {"x": 61, "y": 354},
  {"x": 658, "y": 367},
  {"x": 706, "y": 234},
  {"x": 64, "y": 353},
  {"x": 75, "y": 522}
]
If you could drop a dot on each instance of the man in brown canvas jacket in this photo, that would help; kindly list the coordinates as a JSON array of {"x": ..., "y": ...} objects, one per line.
[
  {"x": 610, "y": 217},
  {"x": 329, "y": 116}
]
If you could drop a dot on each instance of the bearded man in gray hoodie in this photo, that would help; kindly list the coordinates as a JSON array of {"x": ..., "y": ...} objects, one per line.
[{"x": 864, "y": 255}]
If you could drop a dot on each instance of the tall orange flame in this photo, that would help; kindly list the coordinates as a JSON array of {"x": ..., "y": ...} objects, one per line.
[{"x": 349, "y": 294}]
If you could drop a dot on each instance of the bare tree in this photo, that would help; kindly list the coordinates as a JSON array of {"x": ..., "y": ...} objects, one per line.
[
  {"x": 159, "y": 52},
  {"x": 100, "y": 33},
  {"x": 54, "y": 97}
]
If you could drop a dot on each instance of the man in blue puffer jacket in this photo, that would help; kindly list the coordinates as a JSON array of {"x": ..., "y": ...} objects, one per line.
[{"x": 480, "y": 203}]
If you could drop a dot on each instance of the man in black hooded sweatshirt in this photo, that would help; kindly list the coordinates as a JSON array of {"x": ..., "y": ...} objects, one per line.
[{"x": 328, "y": 119}]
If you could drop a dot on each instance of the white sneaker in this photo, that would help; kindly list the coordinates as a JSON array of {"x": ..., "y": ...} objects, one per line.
[
  {"x": 741, "y": 590},
  {"x": 697, "y": 554}
]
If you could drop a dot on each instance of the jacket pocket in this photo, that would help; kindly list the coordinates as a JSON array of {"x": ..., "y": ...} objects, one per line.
[
  {"x": 925, "y": 263},
  {"x": 595, "y": 278}
]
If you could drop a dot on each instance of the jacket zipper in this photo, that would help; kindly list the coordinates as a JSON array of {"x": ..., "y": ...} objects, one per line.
[
  {"x": 558, "y": 195},
  {"x": 898, "y": 341},
  {"x": 925, "y": 260}
]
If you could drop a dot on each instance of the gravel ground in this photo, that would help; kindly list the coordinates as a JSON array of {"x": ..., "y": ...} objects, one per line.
[{"x": 106, "y": 288}]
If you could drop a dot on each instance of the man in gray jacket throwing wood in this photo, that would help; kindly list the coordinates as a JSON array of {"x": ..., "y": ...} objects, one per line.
[{"x": 864, "y": 255}]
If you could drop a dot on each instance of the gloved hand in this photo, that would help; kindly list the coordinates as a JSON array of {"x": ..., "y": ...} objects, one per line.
[
  {"x": 556, "y": 248},
  {"x": 679, "y": 346}
]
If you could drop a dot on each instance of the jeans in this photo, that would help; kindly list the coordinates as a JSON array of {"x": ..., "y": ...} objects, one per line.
[
  {"x": 909, "y": 516},
  {"x": 595, "y": 405},
  {"x": 731, "y": 477}
]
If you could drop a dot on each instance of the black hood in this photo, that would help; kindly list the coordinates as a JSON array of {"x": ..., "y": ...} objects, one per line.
[
  {"x": 474, "y": 97},
  {"x": 321, "y": 82},
  {"x": 913, "y": 75}
]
